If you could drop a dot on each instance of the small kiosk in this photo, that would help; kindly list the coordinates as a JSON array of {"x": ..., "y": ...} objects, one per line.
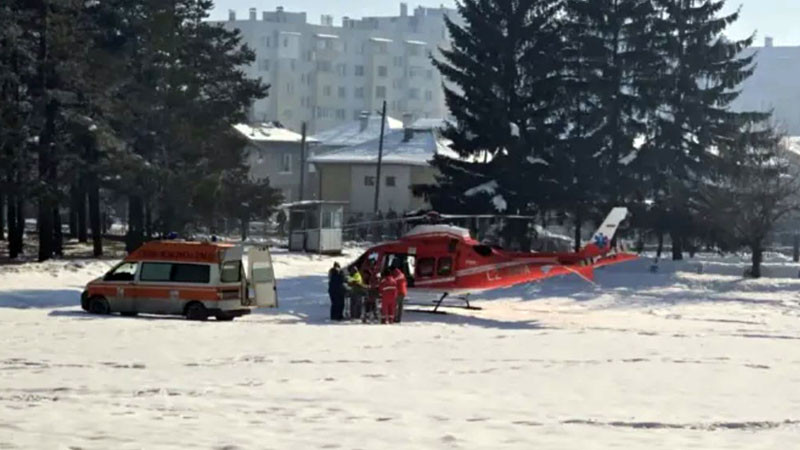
[{"x": 315, "y": 226}]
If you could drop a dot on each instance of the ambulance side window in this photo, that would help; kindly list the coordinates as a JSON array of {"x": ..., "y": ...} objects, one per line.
[
  {"x": 231, "y": 272},
  {"x": 156, "y": 272},
  {"x": 191, "y": 273}
]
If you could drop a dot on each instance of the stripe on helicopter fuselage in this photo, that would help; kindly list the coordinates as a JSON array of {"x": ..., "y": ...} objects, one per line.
[{"x": 506, "y": 265}]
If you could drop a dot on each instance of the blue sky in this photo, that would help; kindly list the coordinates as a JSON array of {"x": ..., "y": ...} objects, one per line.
[{"x": 776, "y": 18}]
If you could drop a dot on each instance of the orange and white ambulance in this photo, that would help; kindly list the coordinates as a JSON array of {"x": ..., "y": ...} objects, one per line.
[{"x": 193, "y": 279}]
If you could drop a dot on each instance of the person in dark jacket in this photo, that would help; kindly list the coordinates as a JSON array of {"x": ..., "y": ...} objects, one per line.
[{"x": 336, "y": 291}]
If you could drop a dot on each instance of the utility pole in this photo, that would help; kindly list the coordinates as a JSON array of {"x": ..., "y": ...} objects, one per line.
[
  {"x": 380, "y": 159},
  {"x": 302, "y": 162}
]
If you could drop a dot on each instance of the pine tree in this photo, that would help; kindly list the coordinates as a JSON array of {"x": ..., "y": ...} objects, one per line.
[
  {"x": 701, "y": 72},
  {"x": 605, "y": 101},
  {"x": 500, "y": 83}
]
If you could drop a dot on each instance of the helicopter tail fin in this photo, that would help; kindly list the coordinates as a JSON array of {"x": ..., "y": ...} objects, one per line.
[{"x": 600, "y": 243}]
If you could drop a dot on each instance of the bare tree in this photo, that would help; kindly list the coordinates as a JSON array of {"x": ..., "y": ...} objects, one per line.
[{"x": 757, "y": 186}]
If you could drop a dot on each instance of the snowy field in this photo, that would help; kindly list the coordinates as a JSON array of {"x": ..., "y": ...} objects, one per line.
[{"x": 674, "y": 360}]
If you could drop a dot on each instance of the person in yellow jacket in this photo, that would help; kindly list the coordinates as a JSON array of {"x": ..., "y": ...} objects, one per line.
[{"x": 356, "y": 289}]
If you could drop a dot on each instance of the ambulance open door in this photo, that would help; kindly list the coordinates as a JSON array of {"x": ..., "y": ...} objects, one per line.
[{"x": 262, "y": 289}]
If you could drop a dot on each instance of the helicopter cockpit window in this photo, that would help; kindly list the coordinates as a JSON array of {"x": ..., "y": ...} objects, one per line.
[
  {"x": 445, "y": 267},
  {"x": 425, "y": 267}
]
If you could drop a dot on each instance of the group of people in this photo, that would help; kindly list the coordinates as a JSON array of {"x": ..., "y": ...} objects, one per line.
[{"x": 390, "y": 286}]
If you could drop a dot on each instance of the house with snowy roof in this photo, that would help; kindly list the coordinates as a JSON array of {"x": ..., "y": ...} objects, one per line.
[
  {"x": 349, "y": 173},
  {"x": 366, "y": 128},
  {"x": 274, "y": 152}
]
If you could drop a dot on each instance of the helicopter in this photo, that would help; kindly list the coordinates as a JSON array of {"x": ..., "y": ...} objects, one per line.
[{"x": 447, "y": 260}]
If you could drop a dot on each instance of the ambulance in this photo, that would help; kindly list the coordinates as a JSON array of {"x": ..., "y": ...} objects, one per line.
[{"x": 196, "y": 280}]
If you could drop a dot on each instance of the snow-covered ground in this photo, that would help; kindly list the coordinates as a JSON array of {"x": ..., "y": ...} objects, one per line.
[{"x": 689, "y": 357}]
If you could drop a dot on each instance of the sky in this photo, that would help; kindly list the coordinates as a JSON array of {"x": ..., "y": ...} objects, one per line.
[{"x": 775, "y": 18}]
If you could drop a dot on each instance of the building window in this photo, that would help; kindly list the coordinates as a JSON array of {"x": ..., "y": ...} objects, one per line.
[
  {"x": 263, "y": 65},
  {"x": 382, "y": 71},
  {"x": 341, "y": 69},
  {"x": 359, "y": 92},
  {"x": 380, "y": 91},
  {"x": 391, "y": 181},
  {"x": 414, "y": 50},
  {"x": 285, "y": 42},
  {"x": 265, "y": 41},
  {"x": 414, "y": 72},
  {"x": 413, "y": 93},
  {"x": 369, "y": 181},
  {"x": 359, "y": 71},
  {"x": 398, "y": 61},
  {"x": 326, "y": 91},
  {"x": 286, "y": 163},
  {"x": 340, "y": 114},
  {"x": 429, "y": 95},
  {"x": 293, "y": 64},
  {"x": 342, "y": 92},
  {"x": 324, "y": 66}
]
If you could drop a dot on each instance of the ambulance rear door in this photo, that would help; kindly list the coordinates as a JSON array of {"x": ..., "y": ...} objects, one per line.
[{"x": 262, "y": 289}]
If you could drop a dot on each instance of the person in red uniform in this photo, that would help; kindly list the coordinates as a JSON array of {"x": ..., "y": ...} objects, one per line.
[
  {"x": 388, "y": 290},
  {"x": 402, "y": 291}
]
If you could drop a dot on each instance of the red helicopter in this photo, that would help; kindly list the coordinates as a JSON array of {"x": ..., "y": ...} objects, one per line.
[{"x": 446, "y": 260}]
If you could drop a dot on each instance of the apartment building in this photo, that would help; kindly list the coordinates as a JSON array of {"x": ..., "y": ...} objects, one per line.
[
  {"x": 327, "y": 74},
  {"x": 774, "y": 85}
]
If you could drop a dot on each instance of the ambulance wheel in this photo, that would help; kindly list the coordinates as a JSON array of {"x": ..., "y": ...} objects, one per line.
[
  {"x": 99, "y": 305},
  {"x": 225, "y": 318},
  {"x": 196, "y": 311}
]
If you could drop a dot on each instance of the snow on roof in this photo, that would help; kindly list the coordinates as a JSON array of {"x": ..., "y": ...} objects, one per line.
[
  {"x": 291, "y": 33},
  {"x": 269, "y": 132},
  {"x": 416, "y": 43},
  {"x": 792, "y": 144},
  {"x": 377, "y": 39},
  {"x": 351, "y": 133},
  {"x": 417, "y": 151},
  {"x": 327, "y": 36},
  {"x": 428, "y": 124}
]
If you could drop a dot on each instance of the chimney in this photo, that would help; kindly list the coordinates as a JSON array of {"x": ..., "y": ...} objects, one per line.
[
  {"x": 363, "y": 121},
  {"x": 252, "y": 14},
  {"x": 231, "y": 15},
  {"x": 769, "y": 42},
  {"x": 408, "y": 132},
  {"x": 404, "y": 9}
]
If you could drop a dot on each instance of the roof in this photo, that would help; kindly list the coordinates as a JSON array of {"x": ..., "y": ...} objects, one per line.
[
  {"x": 269, "y": 132},
  {"x": 417, "y": 151},
  {"x": 377, "y": 39},
  {"x": 350, "y": 133}
]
